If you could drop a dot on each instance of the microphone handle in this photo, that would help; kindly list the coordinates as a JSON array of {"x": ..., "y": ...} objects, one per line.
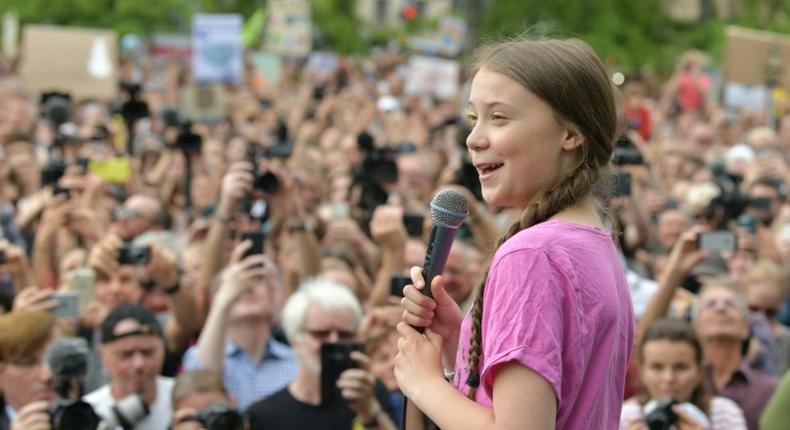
[{"x": 439, "y": 244}]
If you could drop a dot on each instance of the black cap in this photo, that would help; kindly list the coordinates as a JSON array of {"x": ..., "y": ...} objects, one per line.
[{"x": 146, "y": 319}]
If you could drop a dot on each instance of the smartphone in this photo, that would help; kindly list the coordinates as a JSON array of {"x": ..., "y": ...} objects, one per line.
[
  {"x": 68, "y": 304},
  {"x": 761, "y": 203},
  {"x": 335, "y": 359},
  {"x": 340, "y": 210},
  {"x": 115, "y": 170},
  {"x": 622, "y": 184},
  {"x": 414, "y": 224},
  {"x": 134, "y": 255},
  {"x": 397, "y": 284},
  {"x": 749, "y": 222},
  {"x": 83, "y": 282},
  {"x": 718, "y": 241},
  {"x": 257, "y": 239},
  {"x": 61, "y": 191}
]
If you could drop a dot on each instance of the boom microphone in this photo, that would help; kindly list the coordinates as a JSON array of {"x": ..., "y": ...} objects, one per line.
[{"x": 449, "y": 209}]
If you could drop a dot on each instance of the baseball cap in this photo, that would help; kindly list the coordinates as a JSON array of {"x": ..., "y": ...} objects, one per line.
[{"x": 147, "y": 324}]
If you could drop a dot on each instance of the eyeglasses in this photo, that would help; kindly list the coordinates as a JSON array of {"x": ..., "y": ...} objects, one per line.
[
  {"x": 323, "y": 335},
  {"x": 714, "y": 303},
  {"x": 768, "y": 312}
]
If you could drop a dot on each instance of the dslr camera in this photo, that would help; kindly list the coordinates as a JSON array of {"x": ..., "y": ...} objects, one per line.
[
  {"x": 626, "y": 153},
  {"x": 68, "y": 414},
  {"x": 661, "y": 416},
  {"x": 219, "y": 416},
  {"x": 134, "y": 255}
]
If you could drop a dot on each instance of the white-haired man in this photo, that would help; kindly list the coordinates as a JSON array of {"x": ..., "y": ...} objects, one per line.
[{"x": 323, "y": 312}]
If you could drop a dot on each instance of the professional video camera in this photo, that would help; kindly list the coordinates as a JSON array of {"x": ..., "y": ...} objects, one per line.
[
  {"x": 68, "y": 360},
  {"x": 186, "y": 140}
]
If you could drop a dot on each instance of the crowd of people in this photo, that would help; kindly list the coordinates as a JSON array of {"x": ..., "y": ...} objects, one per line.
[{"x": 219, "y": 272}]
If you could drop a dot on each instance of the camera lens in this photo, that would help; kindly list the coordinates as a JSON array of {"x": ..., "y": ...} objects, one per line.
[{"x": 74, "y": 416}]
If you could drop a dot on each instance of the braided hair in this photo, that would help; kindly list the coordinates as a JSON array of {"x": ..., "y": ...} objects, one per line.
[{"x": 568, "y": 76}]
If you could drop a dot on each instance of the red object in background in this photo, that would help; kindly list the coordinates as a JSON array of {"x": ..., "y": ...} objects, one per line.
[{"x": 409, "y": 12}]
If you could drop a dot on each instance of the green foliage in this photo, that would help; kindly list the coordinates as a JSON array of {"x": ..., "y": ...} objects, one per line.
[
  {"x": 629, "y": 34},
  {"x": 337, "y": 23}
]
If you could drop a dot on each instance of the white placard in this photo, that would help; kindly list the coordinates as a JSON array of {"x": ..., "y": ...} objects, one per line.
[{"x": 217, "y": 48}]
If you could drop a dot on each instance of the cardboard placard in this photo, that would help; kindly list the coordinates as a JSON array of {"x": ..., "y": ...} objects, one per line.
[
  {"x": 217, "y": 48},
  {"x": 433, "y": 76},
  {"x": 203, "y": 102},
  {"x": 268, "y": 65},
  {"x": 289, "y": 29},
  {"x": 753, "y": 56},
  {"x": 79, "y": 61}
]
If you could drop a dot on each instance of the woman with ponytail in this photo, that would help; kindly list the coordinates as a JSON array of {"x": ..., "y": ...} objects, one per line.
[{"x": 547, "y": 342}]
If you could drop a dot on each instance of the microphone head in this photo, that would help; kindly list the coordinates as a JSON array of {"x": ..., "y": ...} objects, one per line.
[
  {"x": 68, "y": 358},
  {"x": 449, "y": 208}
]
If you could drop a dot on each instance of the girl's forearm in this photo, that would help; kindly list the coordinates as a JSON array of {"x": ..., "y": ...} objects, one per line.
[{"x": 450, "y": 409}]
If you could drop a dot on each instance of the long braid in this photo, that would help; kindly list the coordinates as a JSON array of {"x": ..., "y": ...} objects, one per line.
[{"x": 565, "y": 194}]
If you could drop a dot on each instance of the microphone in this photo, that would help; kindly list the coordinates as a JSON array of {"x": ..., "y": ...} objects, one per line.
[
  {"x": 449, "y": 208},
  {"x": 67, "y": 358}
]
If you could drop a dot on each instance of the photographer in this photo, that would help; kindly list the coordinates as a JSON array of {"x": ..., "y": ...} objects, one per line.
[
  {"x": 322, "y": 312},
  {"x": 25, "y": 389},
  {"x": 236, "y": 341},
  {"x": 200, "y": 402},
  {"x": 671, "y": 360},
  {"x": 133, "y": 351}
]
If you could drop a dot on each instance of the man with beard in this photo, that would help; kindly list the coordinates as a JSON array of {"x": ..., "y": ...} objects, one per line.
[{"x": 133, "y": 351}]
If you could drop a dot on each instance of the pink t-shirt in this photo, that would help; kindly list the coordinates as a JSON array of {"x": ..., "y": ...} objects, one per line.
[{"x": 556, "y": 301}]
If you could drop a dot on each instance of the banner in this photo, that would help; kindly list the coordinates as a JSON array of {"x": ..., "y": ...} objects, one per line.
[
  {"x": 289, "y": 30},
  {"x": 78, "y": 61},
  {"x": 432, "y": 76},
  {"x": 217, "y": 48}
]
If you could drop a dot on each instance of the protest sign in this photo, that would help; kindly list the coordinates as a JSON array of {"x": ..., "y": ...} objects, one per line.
[
  {"x": 204, "y": 103},
  {"x": 78, "y": 61},
  {"x": 10, "y": 33},
  {"x": 433, "y": 76},
  {"x": 217, "y": 48},
  {"x": 755, "y": 57},
  {"x": 268, "y": 65},
  {"x": 289, "y": 29},
  {"x": 170, "y": 45}
]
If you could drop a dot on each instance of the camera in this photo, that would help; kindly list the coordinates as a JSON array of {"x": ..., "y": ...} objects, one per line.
[
  {"x": 134, "y": 255},
  {"x": 397, "y": 284},
  {"x": 127, "y": 412},
  {"x": 661, "y": 415},
  {"x": 626, "y": 153},
  {"x": 67, "y": 414},
  {"x": 219, "y": 416}
]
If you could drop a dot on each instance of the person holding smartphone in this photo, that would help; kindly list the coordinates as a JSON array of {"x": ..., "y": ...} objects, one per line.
[
  {"x": 323, "y": 317},
  {"x": 548, "y": 339}
]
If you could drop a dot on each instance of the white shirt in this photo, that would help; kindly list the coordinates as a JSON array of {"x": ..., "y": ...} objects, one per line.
[{"x": 161, "y": 412}]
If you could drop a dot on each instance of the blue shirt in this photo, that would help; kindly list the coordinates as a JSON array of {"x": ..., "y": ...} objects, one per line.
[{"x": 248, "y": 381}]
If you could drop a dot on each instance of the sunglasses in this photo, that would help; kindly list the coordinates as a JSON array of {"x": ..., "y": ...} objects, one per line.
[
  {"x": 767, "y": 312},
  {"x": 323, "y": 335},
  {"x": 714, "y": 303}
]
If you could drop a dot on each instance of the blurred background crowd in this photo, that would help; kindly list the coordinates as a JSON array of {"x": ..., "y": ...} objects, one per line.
[{"x": 227, "y": 225}]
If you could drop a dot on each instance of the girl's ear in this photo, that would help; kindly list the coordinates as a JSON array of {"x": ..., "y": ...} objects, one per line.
[{"x": 573, "y": 139}]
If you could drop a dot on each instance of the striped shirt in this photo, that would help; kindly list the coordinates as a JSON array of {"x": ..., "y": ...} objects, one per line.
[
  {"x": 248, "y": 381},
  {"x": 724, "y": 414}
]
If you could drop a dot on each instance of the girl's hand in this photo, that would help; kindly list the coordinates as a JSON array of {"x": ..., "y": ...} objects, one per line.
[
  {"x": 440, "y": 313},
  {"x": 419, "y": 359},
  {"x": 685, "y": 422}
]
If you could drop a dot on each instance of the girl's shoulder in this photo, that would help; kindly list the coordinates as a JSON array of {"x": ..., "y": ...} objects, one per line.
[{"x": 557, "y": 238}]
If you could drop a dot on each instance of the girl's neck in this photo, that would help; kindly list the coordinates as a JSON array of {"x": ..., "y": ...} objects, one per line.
[{"x": 585, "y": 212}]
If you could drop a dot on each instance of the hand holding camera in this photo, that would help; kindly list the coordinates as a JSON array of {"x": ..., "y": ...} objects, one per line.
[
  {"x": 387, "y": 228},
  {"x": 356, "y": 387},
  {"x": 33, "y": 416},
  {"x": 236, "y": 184},
  {"x": 13, "y": 259},
  {"x": 162, "y": 267},
  {"x": 241, "y": 274}
]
